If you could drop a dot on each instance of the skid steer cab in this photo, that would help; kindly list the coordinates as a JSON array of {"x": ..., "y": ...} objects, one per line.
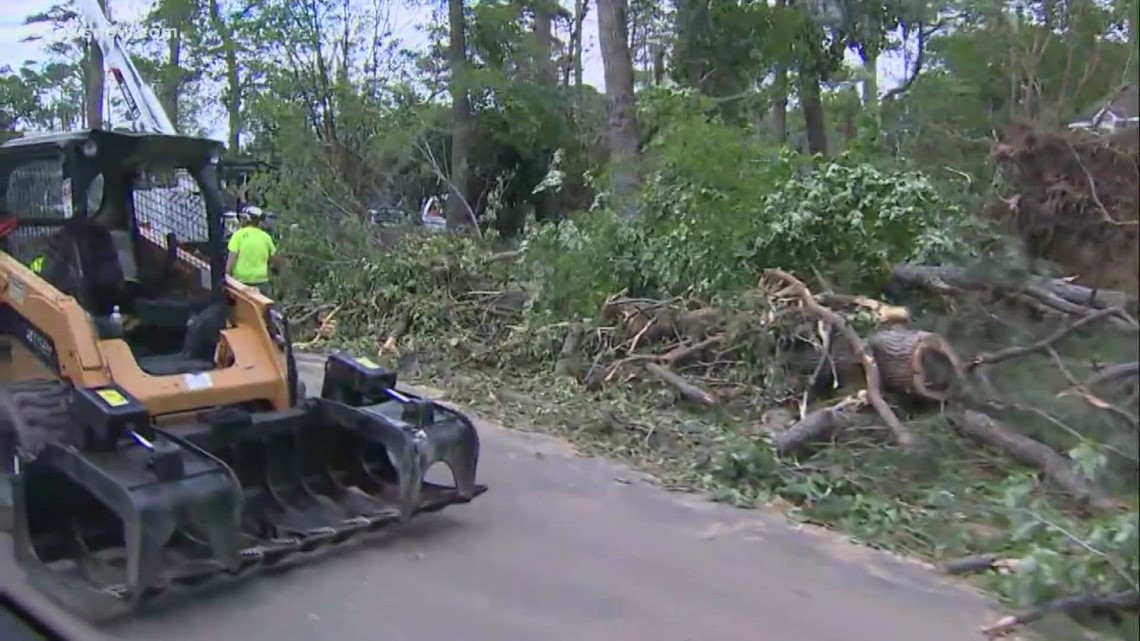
[{"x": 153, "y": 429}]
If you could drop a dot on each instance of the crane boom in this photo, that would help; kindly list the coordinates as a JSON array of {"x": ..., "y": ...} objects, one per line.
[{"x": 143, "y": 104}]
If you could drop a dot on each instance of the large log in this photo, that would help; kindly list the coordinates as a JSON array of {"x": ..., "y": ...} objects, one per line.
[
  {"x": 819, "y": 425},
  {"x": 919, "y": 364},
  {"x": 908, "y": 276},
  {"x": 1061, "y": 471}
]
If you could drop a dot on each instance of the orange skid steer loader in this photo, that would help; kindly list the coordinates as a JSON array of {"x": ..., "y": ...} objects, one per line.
[{"x": 153, "y": 429}]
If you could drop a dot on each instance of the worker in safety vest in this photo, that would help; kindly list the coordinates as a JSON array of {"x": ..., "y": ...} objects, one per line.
[
  {"x": 37, "y": 264},
  {"x": 252, "y": 252}
]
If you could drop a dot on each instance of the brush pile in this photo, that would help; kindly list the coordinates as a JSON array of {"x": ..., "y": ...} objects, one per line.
[{"x": 1075, "y": 201}]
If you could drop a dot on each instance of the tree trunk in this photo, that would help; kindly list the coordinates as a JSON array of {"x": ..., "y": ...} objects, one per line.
[
  {"x": 658, "y": 64},
  {"x": 233, "y": 75},
  {"x": 871, "y": 83},
  {"x": 780, "y": 105},
  {"x": 96, "y": 79},
  {"x": 811, "y": 103},
  {"x": 172, "y": 79},
  {"x": 459, "y": 216},
  {"x": 581, "y": 8},
  {"x": 544, "y": 43},
  {"x": 544, "y": 201},
  {"x": 1133, "y": 23},
  {"x": 624, "y": 135},
  {"x": 780, "y": 97}
]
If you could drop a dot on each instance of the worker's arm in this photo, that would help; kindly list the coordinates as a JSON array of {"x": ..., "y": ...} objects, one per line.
[
  {"x": 231, "y": 259},
  {"x": 274, "y": 257}
]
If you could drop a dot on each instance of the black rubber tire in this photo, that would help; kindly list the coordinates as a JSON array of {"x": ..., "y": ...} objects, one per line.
[{"x": 32, "y": 413}]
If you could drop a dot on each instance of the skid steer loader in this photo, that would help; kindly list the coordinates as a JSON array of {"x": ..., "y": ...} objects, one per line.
[{"x": 153, "y": 430}]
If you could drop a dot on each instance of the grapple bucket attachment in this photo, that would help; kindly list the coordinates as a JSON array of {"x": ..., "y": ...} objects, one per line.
[
  {"x": 94, "y": 528},
  {"x": 109, "y": 525}
]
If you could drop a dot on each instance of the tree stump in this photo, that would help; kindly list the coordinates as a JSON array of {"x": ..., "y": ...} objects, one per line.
[{"x": 919, "y": 364}]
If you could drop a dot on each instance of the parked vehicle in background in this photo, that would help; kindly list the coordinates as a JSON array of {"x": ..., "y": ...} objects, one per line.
[
  {"x": 431, "y": 215},
  {"x": 391, "y": 217}
]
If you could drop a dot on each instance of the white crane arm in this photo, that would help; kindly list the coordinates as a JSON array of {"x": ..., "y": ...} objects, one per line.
[{"x": 141, "y": 100}]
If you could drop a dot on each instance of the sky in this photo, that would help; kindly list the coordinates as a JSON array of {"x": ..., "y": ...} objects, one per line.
[{"x": 405, "y": 19}]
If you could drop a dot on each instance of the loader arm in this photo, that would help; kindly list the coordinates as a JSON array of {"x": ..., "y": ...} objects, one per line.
[{"x": 143, "y": 104}]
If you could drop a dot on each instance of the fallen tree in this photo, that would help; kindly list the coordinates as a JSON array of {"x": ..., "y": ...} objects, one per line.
[{"x": 783, "y": 385}]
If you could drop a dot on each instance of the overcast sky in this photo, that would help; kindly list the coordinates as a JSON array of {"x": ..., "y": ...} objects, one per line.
[{"x": 405, "y": 18}]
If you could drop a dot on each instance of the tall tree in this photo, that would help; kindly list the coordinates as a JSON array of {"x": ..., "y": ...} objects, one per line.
[
  {"x": 176, "y": 68},
  {"x": 624, "y": 134},
  {"x": 780, "y": 91},
  {"x": 459, "y": 216},
  {"x": 581, "y": 8},
  {"x": 818, "y": 51},
  {"x": 224, "y": 30},
  {"x": 95, "y": 79}
]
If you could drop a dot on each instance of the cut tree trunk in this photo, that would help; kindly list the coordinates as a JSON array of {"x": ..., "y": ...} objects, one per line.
[{"x": 920, "y": 364}]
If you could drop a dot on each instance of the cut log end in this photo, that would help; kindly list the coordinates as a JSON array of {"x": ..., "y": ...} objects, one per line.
[{"x": 919, "y": 364}]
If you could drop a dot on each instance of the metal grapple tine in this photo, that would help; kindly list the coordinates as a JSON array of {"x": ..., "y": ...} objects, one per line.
[
  {"x": 217, "y": 511},
  {"x": 146, "y": 533},
  {"x": 94, "y": 569},
  {"x": 405, "y": 458},
  {"x": 456, "y": 443},
  {"x": 317, "y": 449},
  {"x": 300, "y": 512},
  {"x": 403, "y": 451}
]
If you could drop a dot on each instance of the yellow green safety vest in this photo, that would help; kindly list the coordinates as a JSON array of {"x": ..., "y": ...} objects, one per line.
[{"x": 37, "y": 264}]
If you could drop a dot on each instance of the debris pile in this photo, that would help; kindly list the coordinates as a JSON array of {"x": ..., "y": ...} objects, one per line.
[{"x": 1074, "y": 200}]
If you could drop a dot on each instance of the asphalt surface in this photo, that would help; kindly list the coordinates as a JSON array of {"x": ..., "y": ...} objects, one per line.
[{"x": 566, "y": 548}]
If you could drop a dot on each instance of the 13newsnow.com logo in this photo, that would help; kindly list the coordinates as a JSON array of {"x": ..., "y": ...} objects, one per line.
[{"x": 127, "y": 33}]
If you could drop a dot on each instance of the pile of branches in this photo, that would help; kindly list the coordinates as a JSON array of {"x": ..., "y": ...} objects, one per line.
[
  {"x": 978, "y": 409},
  {"x": 897, "y": 365},
  {"x": 1075, "y": 199},
  {"x": 838, "y": 360}
]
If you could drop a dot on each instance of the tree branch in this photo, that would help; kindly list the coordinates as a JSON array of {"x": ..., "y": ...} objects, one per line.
[{"x": 919, "y": 60}]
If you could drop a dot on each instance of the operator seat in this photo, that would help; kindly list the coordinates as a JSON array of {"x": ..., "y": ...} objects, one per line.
[
  {"x": 79, "y": 264},
  {"x": 100, "y": 286}
]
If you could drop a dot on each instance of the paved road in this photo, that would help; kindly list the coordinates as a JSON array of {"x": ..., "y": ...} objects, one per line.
[{"x": 564, "y": 548}]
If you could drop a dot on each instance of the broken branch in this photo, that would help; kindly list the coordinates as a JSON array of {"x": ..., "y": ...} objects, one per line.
[
  {"x": 1057, "y": 469},
  {"x": 819, "y": 425},
  {"x": 1075, "y": 605},
  {"x": 980, "y": 563},
  {"x": 1041, "y": 345},
  {"x": 684, "y": 388}
]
